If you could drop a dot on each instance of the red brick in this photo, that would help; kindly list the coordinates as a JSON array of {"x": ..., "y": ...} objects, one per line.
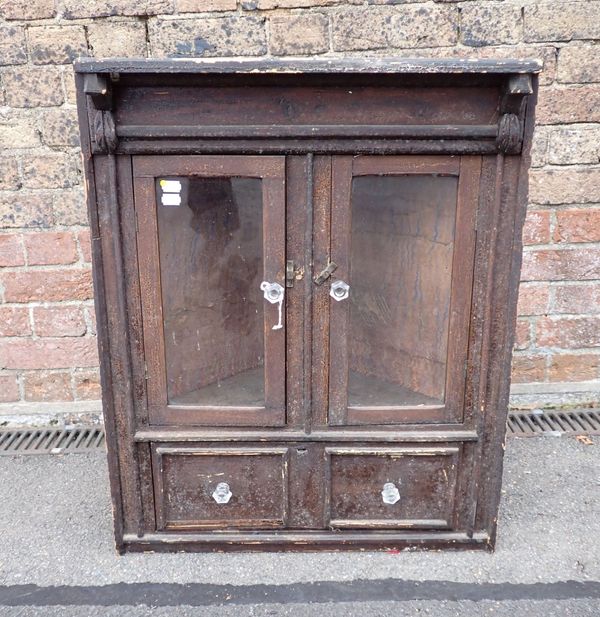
[
  {"x": 48, "y": 248},
  {"x": 11, "y": 250},
  {"x": 47, "y": 285},
  {"x": 48, "y": 353},
  {"x": 85, "y": 245},
  {"x": 528, "y": 368},
  {"x": 14, "y": 321},
  {"x": 59, "y": 321},
  {"x": 564, "y": 186},
  {"x": 577, "y": 299},
  {"x": 574, "y": 367},
  {"x": 561, "y": 265},
  {"x": 568, "y": 332},
  {"x": 537, "y": 227},
  {"x": 522, "y": 334},
  {"x": 577, "y": 226},
  {"x": 569, "y": 104},
  {"x": 87, "y": 385},
  {"x": 45, "y": 386},
  {"x": 533, "y": 299},
  {"x": 9, "y": 389}
]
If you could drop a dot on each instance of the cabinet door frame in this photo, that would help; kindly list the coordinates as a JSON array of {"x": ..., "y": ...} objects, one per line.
[
  {"x": 344, "y": 168},
  {"x": 271, "y": 171}
]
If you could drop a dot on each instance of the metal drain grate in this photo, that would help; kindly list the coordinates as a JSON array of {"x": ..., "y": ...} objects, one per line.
[
  {"x": 554, "y": 422},
  {"x": 50, "y": 440}
]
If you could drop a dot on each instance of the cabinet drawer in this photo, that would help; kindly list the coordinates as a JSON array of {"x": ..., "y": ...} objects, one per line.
[
  {"x": 198, "y": 488},
  {"x": 392, "y": 487}
]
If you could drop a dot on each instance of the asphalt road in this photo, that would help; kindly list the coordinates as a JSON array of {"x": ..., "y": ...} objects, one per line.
[{"x": 57, "y": 556}]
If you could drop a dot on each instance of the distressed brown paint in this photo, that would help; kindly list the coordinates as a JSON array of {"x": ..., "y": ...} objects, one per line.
[{"x": 375, "y": 422}]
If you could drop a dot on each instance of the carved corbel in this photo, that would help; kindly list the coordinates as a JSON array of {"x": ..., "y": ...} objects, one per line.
[
  {"x": 99, "y": 89},
  {"x": 512, "y": 113}
]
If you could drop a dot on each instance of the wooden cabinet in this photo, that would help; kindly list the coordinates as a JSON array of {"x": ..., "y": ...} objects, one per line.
[{"x": 306, "y": 280}]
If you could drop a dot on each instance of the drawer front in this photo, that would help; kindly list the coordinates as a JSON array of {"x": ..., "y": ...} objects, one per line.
[
  {"x": 392, "y": 487},
  {"x": 199, "y": 488}
]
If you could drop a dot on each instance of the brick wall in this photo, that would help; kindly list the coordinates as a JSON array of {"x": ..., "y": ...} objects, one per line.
[{"x": 47, "y": 344}]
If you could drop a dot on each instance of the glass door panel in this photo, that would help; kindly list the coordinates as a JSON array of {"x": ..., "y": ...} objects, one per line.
[
  {"x": 211, "y": 236},
  {"x": 211, "y": 268},
  {"x": 402, "y": 236}
]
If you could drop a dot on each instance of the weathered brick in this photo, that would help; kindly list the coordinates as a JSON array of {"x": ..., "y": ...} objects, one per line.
[
  {"x": 537, "y": 227},
  {"x": 533, "y": 299},
  {"x": 14, "y": 321},
  {"x": 568, "y": 332},
  {"x": 562, "y": 21},
  {"x": 204, "y": 6},
  {"x": 75, "y": 9},
  {"x": 117, "y": 39},
  {"x": 47, "y": 386},
  {"x": 574, "y": 367},
  {"x": 561, "y": 265},
  {"x": 564, "y": 186},
  {"x": 576, "y": 299},
  {"x": 59, "y": 321},
  {"x": 11, "y": 250},
  {"x": 9, "y": 174},
  {"x": 85, "y": 245},
  {"x": 579, "y": 64},
  {"x": 539, "y": 146},
  {"x": 569, "y": 104},
  {"x": 22, "y": 209},
  {"x": 577, "y": 225},
  {"x": 47, "y": 171},
  {"x": 299, "y": 34},
  {"x": 47, "y": 285},
  {"x": 214, "y": 36},
  {"x": 424, "y": 26},
  {"x": 359, "y": 28},
  {"x": 46, "y": 248},
  {"x": 522, "y": 334},
  {"x": 48, "y": 353},
  {"x": 251, "y": 5},
  {"x": 59, "y": 127},
  {"x": 27, "y": 9},
  {"x": 13, "y": 49},
  {"x": 68, "y": 79},
  {"x": 572, "y": 145},
  {"x": 91, "y": 320},
  {"x": 9, "y": 388},
  {"x": 87, "y": 385},
  {"x": 56, "y": 44},
  {"x": 16, "y": 133},
  {"x": 528, "y": 368},
  {"x": 69, "y": 208},
  {"x": 490, "y": 23},
  {"x": 33, "y": 87}
]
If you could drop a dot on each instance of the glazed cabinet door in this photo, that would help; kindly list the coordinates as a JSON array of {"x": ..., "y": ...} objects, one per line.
[
  {"x": 211, "y": 250},
  {"x": 402, "y": 239}
]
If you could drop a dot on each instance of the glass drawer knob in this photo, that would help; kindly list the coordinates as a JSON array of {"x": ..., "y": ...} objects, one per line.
[
  {"x": 222, "y": 494},
  {"x": 339, "y": 290},
  {"x": 390, "y": 493}
]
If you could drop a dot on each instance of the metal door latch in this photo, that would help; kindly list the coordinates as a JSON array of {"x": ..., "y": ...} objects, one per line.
[
  {"x": 222, "y": 494},
  {"x": 274, "y": 293},
  {"x": 326, "y": 273}
]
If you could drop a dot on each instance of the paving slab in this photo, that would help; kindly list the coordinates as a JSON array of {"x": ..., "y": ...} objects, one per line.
[{"x": 56, "y": 531}]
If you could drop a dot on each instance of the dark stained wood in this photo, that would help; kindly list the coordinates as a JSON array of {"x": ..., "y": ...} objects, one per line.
[{"x": 307, "y": 442}]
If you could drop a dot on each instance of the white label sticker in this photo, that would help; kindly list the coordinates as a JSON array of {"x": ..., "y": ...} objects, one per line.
[
  {"x": 170, "y": 186},
  {"x": 170, "y": 199}
]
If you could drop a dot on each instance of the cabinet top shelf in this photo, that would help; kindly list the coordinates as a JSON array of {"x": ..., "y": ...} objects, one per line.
[{"x": 383, "y": 65}]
